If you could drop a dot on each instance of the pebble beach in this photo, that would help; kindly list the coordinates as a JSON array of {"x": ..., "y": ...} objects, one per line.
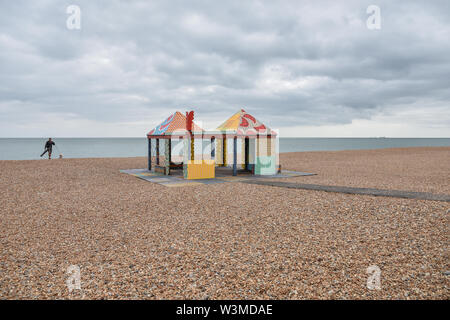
[{"x": 133, "y": 239}]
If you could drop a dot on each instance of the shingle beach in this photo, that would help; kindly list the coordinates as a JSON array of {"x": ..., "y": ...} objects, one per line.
[{"x": 133, "y": 239}]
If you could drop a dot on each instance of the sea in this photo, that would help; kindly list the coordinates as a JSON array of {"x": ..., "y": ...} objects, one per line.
[{"x": 31, "y": 148}]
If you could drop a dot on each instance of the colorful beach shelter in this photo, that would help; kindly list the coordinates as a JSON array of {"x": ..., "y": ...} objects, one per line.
[
  {"x": 175, "y": 122},
  {"x": 258, "y": 143},
  {"x": 178, "y": 126},
  {"x": 244, "y": 123}
]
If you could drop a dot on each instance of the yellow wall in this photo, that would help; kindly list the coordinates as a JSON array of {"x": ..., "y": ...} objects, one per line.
[{"x": 201, "y": 169}]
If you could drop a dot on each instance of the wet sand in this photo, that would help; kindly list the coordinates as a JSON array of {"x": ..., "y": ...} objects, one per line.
[{"x": 135, "y": 239}]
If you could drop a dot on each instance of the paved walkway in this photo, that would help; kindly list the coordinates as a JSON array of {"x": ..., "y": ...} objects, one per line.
[
  {"x": 350, "y": 190},
  {"x": 223, "y": 175}
]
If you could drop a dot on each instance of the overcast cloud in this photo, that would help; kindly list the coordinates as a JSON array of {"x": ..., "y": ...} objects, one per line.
[{"x": 308, "y": 68}]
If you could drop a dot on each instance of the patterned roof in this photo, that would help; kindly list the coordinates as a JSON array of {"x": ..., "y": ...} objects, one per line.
[
  {"x": 243, "y": 123},
  {"x": 176, "y": 121}
]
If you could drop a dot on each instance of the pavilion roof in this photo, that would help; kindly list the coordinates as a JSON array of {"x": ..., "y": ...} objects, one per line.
[
  {"x": 244, "y": 123},
  {"x": 175, "y": 122}
]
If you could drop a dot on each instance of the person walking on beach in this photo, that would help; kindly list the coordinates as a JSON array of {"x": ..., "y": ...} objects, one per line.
[{"x": 48, "y": 148}]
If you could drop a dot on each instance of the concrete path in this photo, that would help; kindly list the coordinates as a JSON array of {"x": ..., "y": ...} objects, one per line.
[{"x": 350, "y": 190}]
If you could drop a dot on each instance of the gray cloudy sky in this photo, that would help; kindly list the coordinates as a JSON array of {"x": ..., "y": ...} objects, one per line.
[{"x": 308, "y": 68}]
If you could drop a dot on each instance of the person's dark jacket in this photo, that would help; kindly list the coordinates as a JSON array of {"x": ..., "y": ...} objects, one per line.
[{"x": 49, "y": 145}]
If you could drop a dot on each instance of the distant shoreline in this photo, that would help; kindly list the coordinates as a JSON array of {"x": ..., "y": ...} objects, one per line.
[
  {"x": 281, "y": 153},
  {"x": 31, "y": 148}
]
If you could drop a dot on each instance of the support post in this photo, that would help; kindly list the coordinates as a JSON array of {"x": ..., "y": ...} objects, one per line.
[
  {"x": 235, "y": 156},
  {"x": 167, "y": 147},
  {"x": 186, "y": 152},
  {"x": 149, "y": 154},
  {"x": 170, "y": 151},
  {"x": 257, "y": 164},
  {"x": 213, "y": 148},
  {"x": 224, "y": 150},
  {"x": 257, "y": 145},
  {"x": 192, "y": 147},
  {"x": 157, "y": 152},
  {"x": 247, "y": 152}
]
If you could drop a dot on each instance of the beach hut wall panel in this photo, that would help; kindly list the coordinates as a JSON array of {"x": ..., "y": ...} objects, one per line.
[
  {"x": 265, "y": 165},
  {"x": 266, "y": 157}
]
